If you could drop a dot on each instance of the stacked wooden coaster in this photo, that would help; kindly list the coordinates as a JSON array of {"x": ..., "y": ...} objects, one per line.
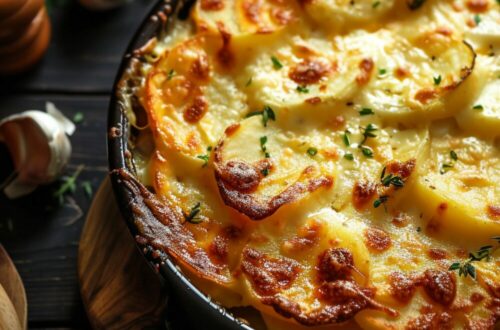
[
  {"x": 24, "y": 34},
  {"x": 13, "y": 307},
  {"x": 119, "y": 289}
]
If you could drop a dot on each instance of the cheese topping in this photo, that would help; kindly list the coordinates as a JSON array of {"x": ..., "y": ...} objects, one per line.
[{"x": 329, "y": 161}]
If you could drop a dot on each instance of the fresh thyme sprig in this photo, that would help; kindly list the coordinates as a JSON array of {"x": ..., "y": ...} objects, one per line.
[
  {"x": 445, "y": 167},
  {"x": 466, "y": 267},
  {"x": 267, "y": 113},
  {"x": 205, "y": 157},
  {"x": 263, "y": 141},
  {"x": 389, "y": 179},
  {"x": 68, "y": 185},
  {"x": 368, "y": 132},
  {"x": 192, "y": 216}
]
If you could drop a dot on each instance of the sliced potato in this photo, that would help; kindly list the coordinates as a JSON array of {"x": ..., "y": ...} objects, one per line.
[
  {"x": 482, "y": 115},
  {"x": 259, "y": 170},
  {"x": 246, "y": 22},
  {"x": 418, "y": 77},
  {"x": 324, "y": 230},
  {"x": 189, "y": 103},
  {"x": 344, "y": 14},
  {"x": 458, "y": 189},
  {"x": 307, "y": 75}
]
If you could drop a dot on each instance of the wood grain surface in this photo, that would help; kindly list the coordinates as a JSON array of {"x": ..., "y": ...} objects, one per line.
[
  {"x": 11, "y": 282},
  {"x": 119, "y": 289}
]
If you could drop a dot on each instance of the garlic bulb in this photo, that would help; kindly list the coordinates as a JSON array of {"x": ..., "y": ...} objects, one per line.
[{"x": 38, "y": 146}]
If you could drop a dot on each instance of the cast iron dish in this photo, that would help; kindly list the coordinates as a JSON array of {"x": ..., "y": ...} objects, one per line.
[{"x": 208, "y": 315}]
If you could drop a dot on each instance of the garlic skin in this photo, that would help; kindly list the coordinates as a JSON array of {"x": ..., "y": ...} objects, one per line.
[{"x": 39, "y": 148}]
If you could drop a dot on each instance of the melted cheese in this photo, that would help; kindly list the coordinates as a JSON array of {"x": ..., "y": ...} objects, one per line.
[{"x": 283, "y": 122}]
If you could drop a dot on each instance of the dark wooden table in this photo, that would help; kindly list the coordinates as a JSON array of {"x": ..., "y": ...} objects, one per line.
[{"x": 76, "y": 74}]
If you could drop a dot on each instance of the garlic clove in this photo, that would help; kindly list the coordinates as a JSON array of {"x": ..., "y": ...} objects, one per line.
[
  {"x": 38, "y": 146},
  {"x": 67, "y": 124}
]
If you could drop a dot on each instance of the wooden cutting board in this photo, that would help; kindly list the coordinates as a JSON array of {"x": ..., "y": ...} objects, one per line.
[
  {"x": 12, "y": 293},
  {"x": 118, "y": 288}
]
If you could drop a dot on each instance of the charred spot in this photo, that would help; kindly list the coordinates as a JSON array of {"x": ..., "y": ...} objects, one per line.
[
  {"x": 362, "y": 193},
  {"x": 251, "y": 9},
  {"x": 342, "y": 291},
  {"x": 212, "y": 5},
  {"x": 219, "y": 247},
  {"x": 200, "y": 68},
  {"x": 309, "y": 72},
  {"x": 282, "y": 16},
  {"x": 268, "y": 275},
  {"x": 476, "y": 297},
  {"x": 225, "y": 55},
  {"x": 401, "y": 73},
  {"x": 366, "y": 68},
  {"x": 401, "y": 219},
  {"x": 402, "y": 286},
  {"x": 437, "y": 254},
  {"x": 161, "y": 227},
  {"x": 440, "y": 286},
  {"x": 433, "y": 226},
  {"x": 442, "y": 207},
  {"x": 401, "y": 169},
  {"x": 425, "y": 95},
  {"x": 194, "y": 112},
  {"x": 493, "y": 212},
  {"x": 241, "y": 176},
  {"x": 231, "y": 129},
  {"x": 306, "y": 237},
  {"x": 477, "y": 6},
  {"x": 445, "y": 31},
  {"x": 335, "y": 263},
  {"x": 376, "y": 239},
  {"x": 431, "y": 321},
  {"x": 313, "y": 100},
  {"x": 331, "y": 313}
]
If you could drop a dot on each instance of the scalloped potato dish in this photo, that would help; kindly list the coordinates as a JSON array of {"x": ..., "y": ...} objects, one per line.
[{"x": 332, "y": 164}]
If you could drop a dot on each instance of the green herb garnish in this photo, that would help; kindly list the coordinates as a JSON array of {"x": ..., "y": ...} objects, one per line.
[
  {"x": 382, "y": 72},
  {"x": 68, "y": 185},
  {"x": 367, "y": 151},
  {"x": 375, "y": 4},
  {"x": 348, "y": 156},
  {"x": 466, "y": 267},
  {"x": 437, "y": 80},
  {"x": 453, "y": 155},
  {"x": 205, "y": 157},
  {"x": 381, "y": 200},
  {"x": 171, "y": 74},
  {"x": 391, "y": 179},
  {"x": 302, "y": 89},
  {"x": 445, "y": 167},
  {"x": 87, "y": 188},
  {"x": 477, "y": 19},
  {"x": 78, "y": 117},
  {"x": 366, "y": 112},
  {"x": 276, "y": 63},
  {"x": 478, "y": 107},
  {"x": 345, "y": 138},
  {"x": 263, "y": 141},
  {"x": 249, "y": 82},
  {"x": 312, "y": 151},
  {"x": 192, "y": 216},
  {"x": 267, "y": 114}
]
